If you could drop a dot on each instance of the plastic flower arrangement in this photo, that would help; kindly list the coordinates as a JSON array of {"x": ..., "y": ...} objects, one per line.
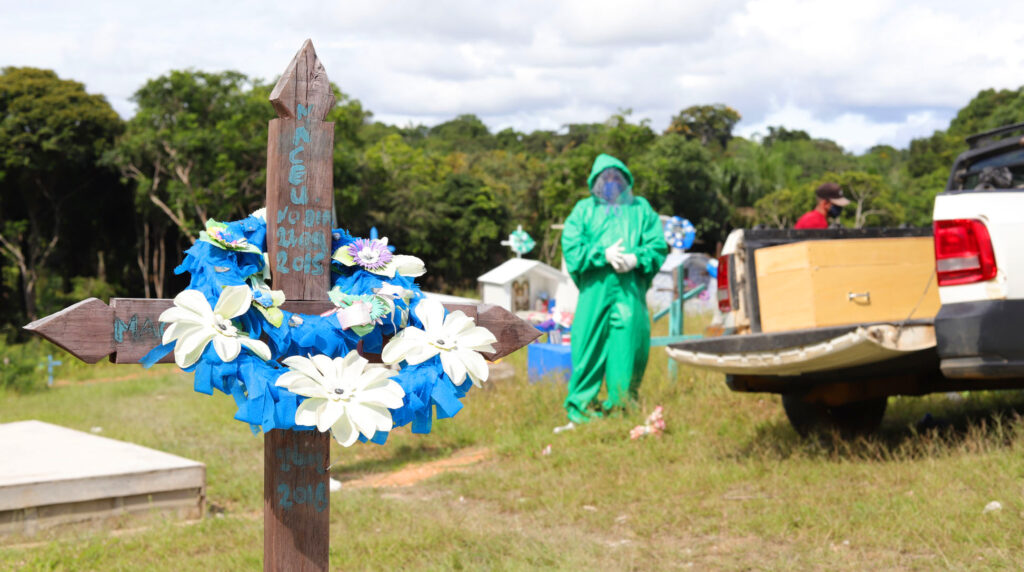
[{"x": 307, "y": 375}]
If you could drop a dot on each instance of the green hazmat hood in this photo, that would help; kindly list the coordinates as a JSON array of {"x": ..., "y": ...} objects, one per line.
[
  {"x": 610, "y": 181},
  {"x": 604, "y": 161}
]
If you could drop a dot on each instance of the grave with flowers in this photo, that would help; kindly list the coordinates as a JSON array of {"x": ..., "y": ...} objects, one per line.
[{"x": 303, "y": 356}]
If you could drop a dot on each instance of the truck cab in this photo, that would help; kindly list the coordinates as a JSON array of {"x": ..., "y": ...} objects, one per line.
[{"x": 979, "y": 259}]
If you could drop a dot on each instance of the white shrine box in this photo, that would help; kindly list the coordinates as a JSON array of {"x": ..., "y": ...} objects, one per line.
[{"x": 518, "y": 284}]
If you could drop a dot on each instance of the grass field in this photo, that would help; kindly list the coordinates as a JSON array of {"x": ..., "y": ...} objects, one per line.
[{"x": 730, "y": 486}]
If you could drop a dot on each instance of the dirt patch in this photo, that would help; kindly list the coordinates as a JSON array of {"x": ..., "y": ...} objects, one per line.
[{"x": 417, "y": 472}]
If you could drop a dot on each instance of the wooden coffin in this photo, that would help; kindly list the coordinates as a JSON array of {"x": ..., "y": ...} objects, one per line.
[{"x": 823, "y": 283}]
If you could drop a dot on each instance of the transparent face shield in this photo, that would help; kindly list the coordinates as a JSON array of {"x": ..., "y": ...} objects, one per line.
[{"x": 612, "y": 187}]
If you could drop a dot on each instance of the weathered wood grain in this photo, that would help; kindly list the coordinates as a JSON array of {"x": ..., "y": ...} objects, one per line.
[
  {"x": 304, "y": 81},
  {"x": 300, "y": 195},
  {"x": 512, "y": 332},
  {"x": 137, "y": 328},
  {"x": 300, "y": 179},
  {"x": 74, "y": 329},
  {"x": 300, "y": 187},
  {"x": 296, "y": 500},
  {"x": 129, "y": 328}
]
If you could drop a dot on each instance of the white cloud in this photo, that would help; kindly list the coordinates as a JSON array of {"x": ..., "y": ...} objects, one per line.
[
  {"x": 854, "y": 131},
  {"x": 857, "y": 72}
]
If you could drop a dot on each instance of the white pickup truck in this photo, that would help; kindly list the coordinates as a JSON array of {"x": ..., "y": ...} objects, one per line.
[
  {"x": 979, "y": 259},
  {"x": 839, "y": 375}
]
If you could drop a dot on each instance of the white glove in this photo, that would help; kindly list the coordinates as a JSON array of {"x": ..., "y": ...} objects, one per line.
[
  {"x": 628, "y": 263},
  {"x": 613, "y": 254}
]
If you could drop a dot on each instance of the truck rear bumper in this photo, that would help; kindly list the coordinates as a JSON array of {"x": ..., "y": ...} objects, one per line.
[{"x": 981, "y": 340}]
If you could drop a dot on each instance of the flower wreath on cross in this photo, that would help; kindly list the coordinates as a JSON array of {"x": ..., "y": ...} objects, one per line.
[{"x": 308, "y": 374}]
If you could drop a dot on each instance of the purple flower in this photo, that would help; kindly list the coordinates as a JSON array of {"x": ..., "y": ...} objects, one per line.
[{"x": 370, "y": 253}]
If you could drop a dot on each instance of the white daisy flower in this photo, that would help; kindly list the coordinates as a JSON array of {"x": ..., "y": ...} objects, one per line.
[
  {"x": 455, "y": 337},
  {"x": 193, "y": 325},
  {"x": 343, "y": 395}
]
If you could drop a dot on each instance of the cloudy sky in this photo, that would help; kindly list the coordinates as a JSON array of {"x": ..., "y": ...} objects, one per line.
[{"x": 859, "y": 72}]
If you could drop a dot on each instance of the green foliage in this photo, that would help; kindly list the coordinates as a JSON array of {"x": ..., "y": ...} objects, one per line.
[
  {"x": 988, "y": 110},
  {"x": 449, "y": 193},
  {"x": 935, "y": 153},
  {"x": 21, "y": 368},
  {"x": 779, "y": 134},
  {"x": 808, "y": 160},
  {"x": 620, "y": 138},
  {"x": 872, "y": 201},
  {"x": 747, "y": 171},
  {"x": 782, "y": 208},
  {"x": 54, "y": 197},
  {"x": 196, "y": 147},
  {"x": 465, "y": 133},
  {"x": 677, "y": 176},
  {"x": 706, "y": 123}
]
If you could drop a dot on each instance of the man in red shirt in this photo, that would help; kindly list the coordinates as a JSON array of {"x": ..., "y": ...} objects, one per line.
[{"x": 830, "y": 203}]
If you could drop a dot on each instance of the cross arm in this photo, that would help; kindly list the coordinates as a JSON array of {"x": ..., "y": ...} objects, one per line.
[{"x": 129, "y": 328}]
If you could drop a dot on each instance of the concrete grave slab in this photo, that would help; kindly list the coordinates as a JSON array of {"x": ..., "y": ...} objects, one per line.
[{"x": 52, "y": 476}]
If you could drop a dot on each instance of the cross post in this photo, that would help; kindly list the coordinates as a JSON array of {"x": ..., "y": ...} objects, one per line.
[
  {"x": 300, "y": 201},
  {"x": 300, "y": 195}
]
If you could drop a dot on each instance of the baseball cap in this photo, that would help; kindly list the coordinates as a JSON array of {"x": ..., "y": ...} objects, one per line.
[{"x": 833, "y": 194}]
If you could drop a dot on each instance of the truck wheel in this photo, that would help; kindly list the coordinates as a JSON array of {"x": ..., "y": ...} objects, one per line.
[{"x": 850, "y": 419}]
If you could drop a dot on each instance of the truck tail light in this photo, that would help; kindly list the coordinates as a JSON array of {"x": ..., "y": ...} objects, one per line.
[
  {"x": 724, "y": 300},
  {"x": 963, "y": 252}
]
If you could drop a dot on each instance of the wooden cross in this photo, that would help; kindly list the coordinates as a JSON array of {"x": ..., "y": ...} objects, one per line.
[{"x": 300, "y": 191}]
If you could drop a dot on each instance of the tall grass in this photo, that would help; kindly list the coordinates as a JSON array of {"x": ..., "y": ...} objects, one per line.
[{"x": 730, "y": 486}]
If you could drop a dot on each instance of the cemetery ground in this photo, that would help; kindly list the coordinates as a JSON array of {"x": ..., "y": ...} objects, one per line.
[{"x": 729, "y": 486}]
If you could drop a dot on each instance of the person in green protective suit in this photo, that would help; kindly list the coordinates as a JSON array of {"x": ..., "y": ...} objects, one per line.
[{"x": 613, "y": 245}]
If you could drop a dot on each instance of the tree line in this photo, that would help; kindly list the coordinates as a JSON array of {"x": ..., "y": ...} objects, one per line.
[{"x": 94, "y": 205}]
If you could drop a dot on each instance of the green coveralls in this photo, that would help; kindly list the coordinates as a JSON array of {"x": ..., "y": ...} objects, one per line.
[{"x": 611, "y": 331}]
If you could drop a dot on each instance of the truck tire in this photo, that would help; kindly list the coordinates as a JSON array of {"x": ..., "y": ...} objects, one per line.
[{"x": 850, "y": 419}]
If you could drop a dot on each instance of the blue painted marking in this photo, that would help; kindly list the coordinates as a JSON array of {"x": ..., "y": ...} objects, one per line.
[
  {"x": 148, "y": 329},
  {"x": 302, "y": 494},
  {"x": 297, "y": 174}
]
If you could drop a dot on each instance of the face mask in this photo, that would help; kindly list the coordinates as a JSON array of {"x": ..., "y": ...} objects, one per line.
[
  {"x": 610, "y": 186},
  {"x": 834, "y": 211}
]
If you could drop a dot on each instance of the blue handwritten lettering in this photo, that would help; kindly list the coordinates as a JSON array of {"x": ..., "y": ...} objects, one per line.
[
  {"x": 318, "y": 266},
  {"x": 148, "y": 329},
  {"x": 284, "y": 489},
  {"x": 302, "y": 111},
  {"x": 292, "y": 156},
  {"x": 297, "y": 174},
  {"x": 301, "y": 135},
  {"x": 301, "y": 198},
  {"x": 302, "y": 494}
]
